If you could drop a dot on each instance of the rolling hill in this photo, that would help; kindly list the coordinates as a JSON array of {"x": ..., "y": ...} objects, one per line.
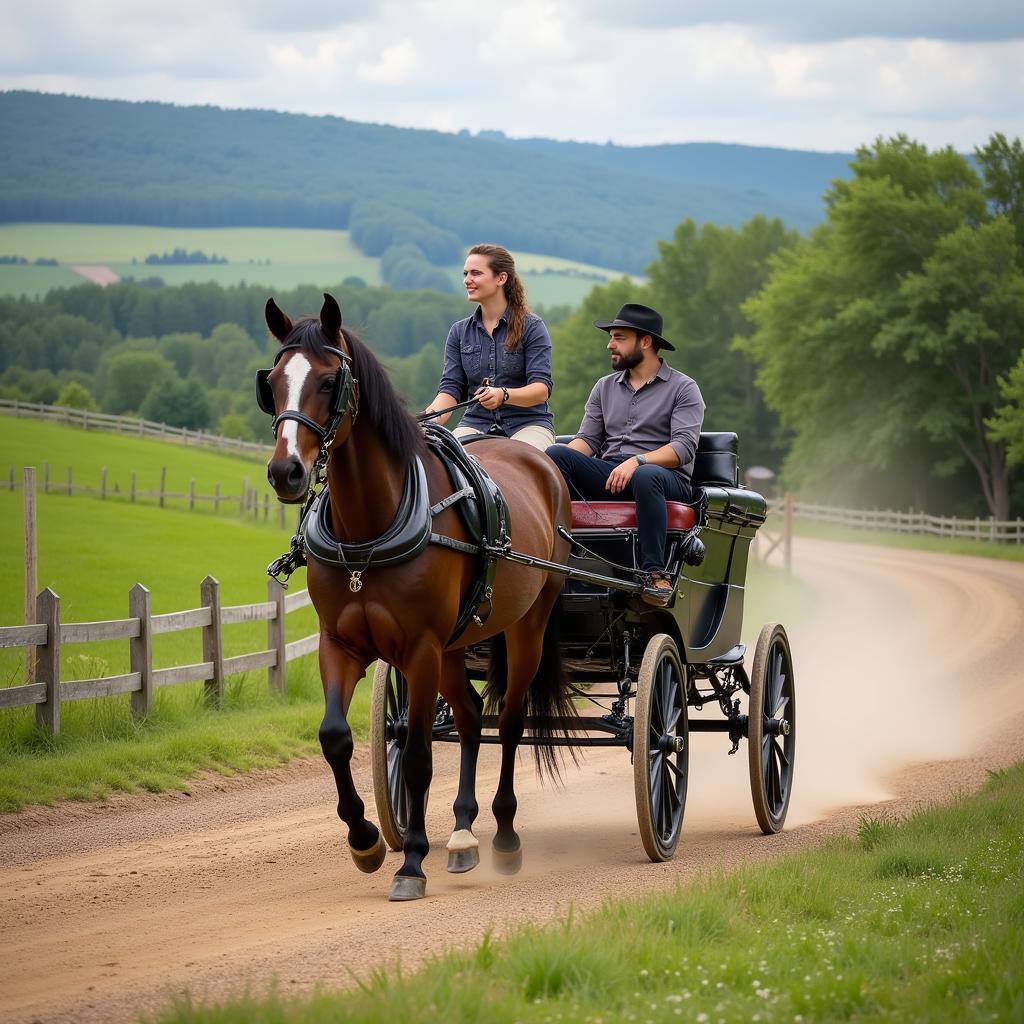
[{"x": 75, "y": 159}]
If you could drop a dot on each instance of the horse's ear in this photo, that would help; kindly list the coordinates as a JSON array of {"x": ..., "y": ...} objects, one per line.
[
  {"x": 279, "y": 324},
  {"x": 330, "y": 318}
]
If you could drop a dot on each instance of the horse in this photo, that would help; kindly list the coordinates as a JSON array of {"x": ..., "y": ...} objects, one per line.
[{"x": 332, "y": 400}]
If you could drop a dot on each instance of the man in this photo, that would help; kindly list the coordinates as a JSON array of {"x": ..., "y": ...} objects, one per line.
[{"x": 639, "y": 435}]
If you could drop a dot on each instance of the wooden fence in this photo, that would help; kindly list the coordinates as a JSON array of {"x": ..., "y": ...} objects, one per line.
[
  {"x": 129, "y": 425},
  {"x": 48, "y": 635},
  {"x": 248, "y": 502},
  {"x": 1009, "y": 531}
]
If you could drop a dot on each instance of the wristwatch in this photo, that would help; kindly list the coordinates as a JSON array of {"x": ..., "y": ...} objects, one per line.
[
  {"x": 504, "y": 394},
  {"x": 641, "y": 460}
]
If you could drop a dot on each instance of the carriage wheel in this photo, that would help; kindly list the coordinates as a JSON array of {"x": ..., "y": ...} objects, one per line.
[
  {"x": 661, "y": 747},
  {"x": 771, "y": 728},
  {"x": 389, "y": 729}
]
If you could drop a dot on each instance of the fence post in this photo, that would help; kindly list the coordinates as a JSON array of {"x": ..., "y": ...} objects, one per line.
[
  {"x": 275, "y": 638},
  {"x": 133, "y": 486},
  {"x": 141, "y": 651},
  {"x": 244, "y": 498},
  {"x": 103, "y": 484},
  {"x": 266, "y": 507},
  {"x": 163, "y": 484},
  {"x": 209, "y": 593},
  {"x": 192, "y": 495},
  {"x": 46, "y": 478},
  {"x": 31, "y": 562},
  {"x": 280, "y": 515},
  {"x": 10, "y": 478},
  {"x": 69, "y": 481},
  {"x": 216, "y": 498},
  {"x": 48, "y": 661}
]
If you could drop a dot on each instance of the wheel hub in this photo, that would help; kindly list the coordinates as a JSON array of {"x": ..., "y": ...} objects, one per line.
[
  {"x": 670, "y": 744},
  {"x": 777, "y": 726}
]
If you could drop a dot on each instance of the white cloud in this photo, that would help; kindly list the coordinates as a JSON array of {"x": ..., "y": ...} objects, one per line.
[
  {"x": 558, "y": 68},
  {"x": 396, "y": 65}
]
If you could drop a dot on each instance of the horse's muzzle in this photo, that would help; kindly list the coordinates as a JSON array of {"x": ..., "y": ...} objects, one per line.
[{"x": 289, "y": 478}]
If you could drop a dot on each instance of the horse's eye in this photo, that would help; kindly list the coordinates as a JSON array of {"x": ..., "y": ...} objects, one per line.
[{"x": 327, "y": 384}]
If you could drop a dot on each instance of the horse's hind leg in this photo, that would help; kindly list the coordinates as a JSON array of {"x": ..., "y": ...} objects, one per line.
[
  {"x": 467, "y": 708},
  {"x": 340, "y": 674}
]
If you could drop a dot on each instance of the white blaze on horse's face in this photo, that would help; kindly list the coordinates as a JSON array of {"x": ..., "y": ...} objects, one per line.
[{"x": 296, "y": 371}]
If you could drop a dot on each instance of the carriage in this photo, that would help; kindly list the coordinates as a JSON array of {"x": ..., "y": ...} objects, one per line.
[
  {"x": 639, "y": 673},
  {"x": 423, "y": 558}
]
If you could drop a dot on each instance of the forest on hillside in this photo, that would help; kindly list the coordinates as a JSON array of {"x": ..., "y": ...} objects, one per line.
[{"x": 101, "y": 161}]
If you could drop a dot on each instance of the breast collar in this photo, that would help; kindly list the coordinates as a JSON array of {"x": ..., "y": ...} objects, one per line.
[{"x": 406, "y": 537}]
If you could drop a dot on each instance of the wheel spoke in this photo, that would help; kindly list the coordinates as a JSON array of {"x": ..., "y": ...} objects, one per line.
[
  {"x": 780, "y": 707},
  {"x": 673, "y": 720},
  {"x": 657, "y": 770},
  {"x": 776, "y": 782}
]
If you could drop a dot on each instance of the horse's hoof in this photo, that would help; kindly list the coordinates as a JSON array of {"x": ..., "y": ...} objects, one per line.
[
  {"x": 508, "y": 862},
  {"x": 407, "y": 887},
  {"x": 460, "y": 861},
  {"x": 370, "y": 860}
]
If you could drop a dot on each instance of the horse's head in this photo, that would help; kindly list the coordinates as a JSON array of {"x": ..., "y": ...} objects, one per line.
[{"x": 310, "y": 391}]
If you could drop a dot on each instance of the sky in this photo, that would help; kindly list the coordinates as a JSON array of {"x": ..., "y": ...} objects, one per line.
[{"x": 813, "y": 75}]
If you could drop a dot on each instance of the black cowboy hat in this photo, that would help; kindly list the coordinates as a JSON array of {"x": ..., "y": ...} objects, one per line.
[{"x": 638, "y": 318}]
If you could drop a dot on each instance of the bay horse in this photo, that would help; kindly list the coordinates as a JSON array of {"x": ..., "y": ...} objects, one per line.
[{"x": 330, "y": 394}]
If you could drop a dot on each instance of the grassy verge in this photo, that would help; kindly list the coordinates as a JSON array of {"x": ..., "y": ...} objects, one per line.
[
  {"x": 919, "y": 920},
  {"x": 923, "y": 542}
]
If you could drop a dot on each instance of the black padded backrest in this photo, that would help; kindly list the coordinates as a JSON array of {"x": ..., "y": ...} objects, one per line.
[{"x": 717, "y": 460}]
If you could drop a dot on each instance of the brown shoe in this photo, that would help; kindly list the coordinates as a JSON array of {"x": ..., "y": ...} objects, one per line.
[{"x": 660, "y": 590}]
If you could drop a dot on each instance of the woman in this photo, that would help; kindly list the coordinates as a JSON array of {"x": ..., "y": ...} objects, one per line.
[{"x": 501, "y": 356}]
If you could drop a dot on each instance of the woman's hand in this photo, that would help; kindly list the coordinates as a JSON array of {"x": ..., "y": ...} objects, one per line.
[
  {"x": 490, "y": 398},
  {"x": 441, "y": 419}
]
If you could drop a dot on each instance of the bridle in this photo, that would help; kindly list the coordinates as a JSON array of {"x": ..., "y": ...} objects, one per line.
[{"x": 344, "y": 399}]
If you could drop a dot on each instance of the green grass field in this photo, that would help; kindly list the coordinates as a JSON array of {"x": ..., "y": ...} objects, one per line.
[
  {"x": 275, "y": 257},
  {"x": 914, "y": 920}
]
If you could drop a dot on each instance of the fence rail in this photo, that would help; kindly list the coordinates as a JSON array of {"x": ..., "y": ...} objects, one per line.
[
  {"x": 49, "y": 635},
  {"x": 129, "y": 425},
  {"x": 1008, "y": 531}
]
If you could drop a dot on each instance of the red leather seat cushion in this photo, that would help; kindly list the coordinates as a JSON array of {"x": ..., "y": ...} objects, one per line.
[{"x": 590, "y": 515}]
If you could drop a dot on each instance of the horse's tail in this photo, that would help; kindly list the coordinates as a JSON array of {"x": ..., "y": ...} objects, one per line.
[{"x": 549, "y": 696}]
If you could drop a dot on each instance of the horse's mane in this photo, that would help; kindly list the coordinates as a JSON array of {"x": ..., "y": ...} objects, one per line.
[{"x": 378, "y": 400}]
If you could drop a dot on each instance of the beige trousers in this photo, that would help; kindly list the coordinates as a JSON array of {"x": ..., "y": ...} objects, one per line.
[{"x": 540, "y": 437}]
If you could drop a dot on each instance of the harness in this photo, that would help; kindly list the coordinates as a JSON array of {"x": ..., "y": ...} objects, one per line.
[{"x": 478, "y": 498}]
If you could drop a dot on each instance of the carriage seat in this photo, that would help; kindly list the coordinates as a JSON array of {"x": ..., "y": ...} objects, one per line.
[{"x": 621, "y": 515}]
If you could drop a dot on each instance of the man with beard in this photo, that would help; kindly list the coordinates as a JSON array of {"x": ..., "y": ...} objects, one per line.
[{"x": 638, "y": 438}]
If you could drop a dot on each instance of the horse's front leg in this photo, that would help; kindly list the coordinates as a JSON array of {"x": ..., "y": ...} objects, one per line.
[
  {"x": 467, "y": 708},
  {"x": 423, "y": 671},
  {"x": 340, "y": 672}
]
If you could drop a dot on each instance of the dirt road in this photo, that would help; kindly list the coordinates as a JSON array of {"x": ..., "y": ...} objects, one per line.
[{"x": 909, "y": 685}]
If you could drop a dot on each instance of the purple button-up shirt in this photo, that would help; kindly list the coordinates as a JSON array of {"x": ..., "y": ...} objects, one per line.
[{"x": 619, "y": 422}]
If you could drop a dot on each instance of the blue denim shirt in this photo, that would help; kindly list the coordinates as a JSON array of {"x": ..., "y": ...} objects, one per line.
[{"x": 471, "y": 354}]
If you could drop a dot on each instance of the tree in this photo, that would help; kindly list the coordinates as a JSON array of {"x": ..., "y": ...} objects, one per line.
[
  {"x": 129, "y": 376},
  {"x": 76, "y": 396},
  {"x": 881, "y": 337},
  {"x": 1008, "y": 422},
  {"x": 178, "y": 403}
]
